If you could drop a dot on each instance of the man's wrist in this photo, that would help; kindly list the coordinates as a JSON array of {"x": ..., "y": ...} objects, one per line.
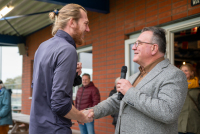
[{"x": 80, "y": 116}]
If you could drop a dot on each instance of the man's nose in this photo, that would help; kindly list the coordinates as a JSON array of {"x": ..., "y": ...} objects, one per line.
[
  {"x": 87, "y": 29},
  {"x": 134, "y": 47}
]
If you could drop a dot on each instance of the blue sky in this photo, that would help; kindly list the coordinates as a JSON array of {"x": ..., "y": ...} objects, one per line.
[{"x": 11, "y": 63}]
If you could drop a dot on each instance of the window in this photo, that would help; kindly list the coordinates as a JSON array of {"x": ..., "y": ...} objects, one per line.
[
  {"x": 85, "y": 57},
  {"x": 170, "y": 30},
  {"x": 133, "y": 66},
  {"x": 129, "y": 54}
]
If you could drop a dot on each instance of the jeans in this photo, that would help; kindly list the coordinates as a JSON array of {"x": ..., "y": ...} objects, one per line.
[{"x": 87, "y": 128}]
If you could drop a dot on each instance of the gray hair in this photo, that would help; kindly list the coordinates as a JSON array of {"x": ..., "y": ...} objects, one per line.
[{"x": 158, "y": 37}]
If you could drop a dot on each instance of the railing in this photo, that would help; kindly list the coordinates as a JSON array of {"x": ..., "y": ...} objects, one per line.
[
  {"x": 16, "y": 97},
  {"x": 13, "y": 86},
  {"x": 16, "y": 100}
]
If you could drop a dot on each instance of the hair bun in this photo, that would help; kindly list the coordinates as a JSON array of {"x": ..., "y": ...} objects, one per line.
[
  {"x": 56, "y": 12},
  {"x": 53, "y": 14}
]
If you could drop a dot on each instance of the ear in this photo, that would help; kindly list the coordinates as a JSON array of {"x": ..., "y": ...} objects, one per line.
[
  {"x": 154, "y": 49},
  {"x": 72, "y": 23}
]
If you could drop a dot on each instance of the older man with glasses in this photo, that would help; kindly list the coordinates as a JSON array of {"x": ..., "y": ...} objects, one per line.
[{"x": 154, "y": 96}]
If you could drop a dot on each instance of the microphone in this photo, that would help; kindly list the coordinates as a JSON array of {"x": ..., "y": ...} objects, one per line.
[{"x": 123, "y": 76}]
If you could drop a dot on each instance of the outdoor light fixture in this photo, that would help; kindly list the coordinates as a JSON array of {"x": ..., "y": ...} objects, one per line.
[{"x": 5, "y": 10}]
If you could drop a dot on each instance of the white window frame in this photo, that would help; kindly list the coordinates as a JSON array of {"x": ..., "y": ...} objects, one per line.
[
  {"x": 85, "y": 49},
  {"x": 127, "y": 54},
  {"x": 170, "y": 29}
]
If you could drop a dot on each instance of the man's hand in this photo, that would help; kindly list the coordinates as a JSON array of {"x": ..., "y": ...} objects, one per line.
[
  {"x": 79, "y": 67},
  {"x": 88, "y": 116},
  {"x": 89, "y": 113},
  {"x": 123, "y": 86}
]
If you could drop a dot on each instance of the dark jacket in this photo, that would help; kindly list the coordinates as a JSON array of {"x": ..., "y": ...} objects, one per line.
[
  {"x": 54, "y": 71},
  {"x": 115, "y": 116},
  {"x": 5, "y": 107},
  {"x": 87, "y": 97}
]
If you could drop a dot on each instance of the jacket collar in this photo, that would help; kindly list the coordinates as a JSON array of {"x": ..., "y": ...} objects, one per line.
[
  {"x": 89, "y": 85},
  {"x": 2, "y": 90},
  {"x": 153, "y": 73},
  {"x": 66, "y": 36}
]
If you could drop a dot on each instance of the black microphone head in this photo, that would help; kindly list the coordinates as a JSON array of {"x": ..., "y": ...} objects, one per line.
[{"x": 124, "y": 69}]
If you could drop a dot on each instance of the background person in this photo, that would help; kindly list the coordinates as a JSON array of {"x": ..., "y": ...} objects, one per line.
[
  {"x": 153, "y": 97},
  {"x": 115, "y": 115},
  {"x": 190, "y": 73},
  {"x": 87, "y": 96},
  {"x": 189, "y": 118},
  {"x": 54, "y": 71},
  {"x": 5, "y": 109}
]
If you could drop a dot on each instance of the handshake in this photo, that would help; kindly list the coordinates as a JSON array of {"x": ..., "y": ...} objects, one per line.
[{"x": 87, "y": 116}]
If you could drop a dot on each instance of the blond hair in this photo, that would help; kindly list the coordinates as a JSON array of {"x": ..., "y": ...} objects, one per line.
[
  {"x": 61, "y": 18},
  {"x": 191, "y": 69}
]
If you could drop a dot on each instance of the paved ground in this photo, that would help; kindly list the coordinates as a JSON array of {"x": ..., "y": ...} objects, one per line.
[{"x": 75, "y": 131}]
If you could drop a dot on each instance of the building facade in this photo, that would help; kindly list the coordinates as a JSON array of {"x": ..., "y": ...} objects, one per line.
[{"x": 110, "y": 41}]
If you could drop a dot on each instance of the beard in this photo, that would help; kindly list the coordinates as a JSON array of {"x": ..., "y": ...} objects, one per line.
[{"x": 78, "y": 36}]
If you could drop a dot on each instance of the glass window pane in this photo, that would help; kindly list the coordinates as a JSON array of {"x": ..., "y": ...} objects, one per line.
[
  {"x": 86, "y": 59},
  {"x": 133, "y": 66}
]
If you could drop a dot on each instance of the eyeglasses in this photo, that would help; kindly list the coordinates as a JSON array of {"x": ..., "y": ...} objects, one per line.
[{"x": 137, "y": 43}]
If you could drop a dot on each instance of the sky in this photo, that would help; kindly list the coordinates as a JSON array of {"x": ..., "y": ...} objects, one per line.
[{"x": 11, "y": 63}]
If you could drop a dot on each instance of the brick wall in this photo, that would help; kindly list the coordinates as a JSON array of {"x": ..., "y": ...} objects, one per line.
[
  {"x": 107, "y": 38},
  {"x": 32, "y": 43}
]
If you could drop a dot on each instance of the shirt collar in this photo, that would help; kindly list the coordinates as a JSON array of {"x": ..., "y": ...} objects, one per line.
[
  {"x": 149, "y": 67},
  {"x": 66, "y": 36}
]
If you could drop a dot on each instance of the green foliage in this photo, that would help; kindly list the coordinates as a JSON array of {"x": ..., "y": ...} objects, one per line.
[{"x": 14, "y": 83}]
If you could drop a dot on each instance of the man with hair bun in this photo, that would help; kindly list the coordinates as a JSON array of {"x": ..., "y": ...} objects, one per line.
[{"x": 55, "y": 68}]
